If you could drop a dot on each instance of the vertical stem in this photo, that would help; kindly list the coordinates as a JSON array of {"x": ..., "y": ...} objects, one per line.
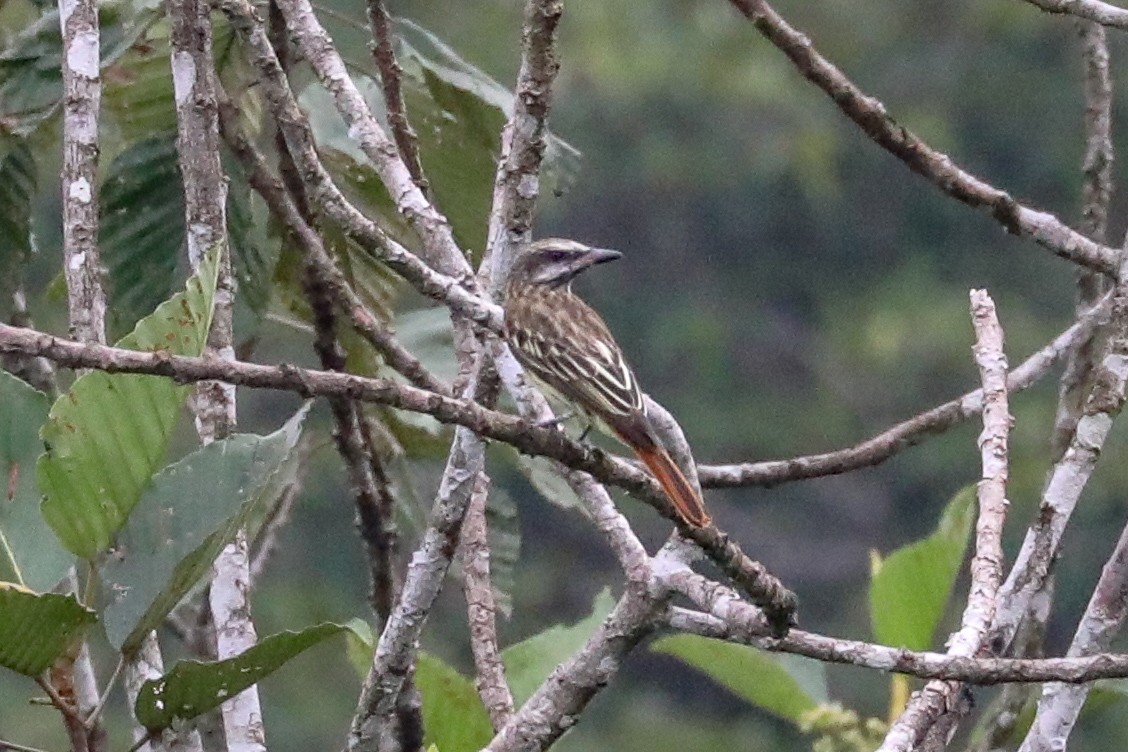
[
  {"x": 82, "y": 86},
  {"x": 205, "y": 202},
  {"x": 391, "y": 78},
  {"x": 86, "y": 298}
]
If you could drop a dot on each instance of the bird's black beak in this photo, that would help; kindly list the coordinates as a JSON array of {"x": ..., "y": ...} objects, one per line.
[{"x": 599, "y": 256}]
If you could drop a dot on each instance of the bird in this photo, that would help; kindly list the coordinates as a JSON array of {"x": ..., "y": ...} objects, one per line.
[{"x": 565, "y": 345}]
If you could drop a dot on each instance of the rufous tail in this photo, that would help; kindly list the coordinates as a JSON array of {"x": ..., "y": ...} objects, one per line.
[{"x": 679, "y": 490}]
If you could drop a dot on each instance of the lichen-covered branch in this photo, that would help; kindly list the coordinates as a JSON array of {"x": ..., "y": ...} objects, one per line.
[
  {"x": 940, "y": 698},
  {"x": 82, "y": 96}
]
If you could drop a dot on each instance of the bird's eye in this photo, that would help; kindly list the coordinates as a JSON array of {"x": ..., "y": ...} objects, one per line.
[{"x": 557, "y": 255}]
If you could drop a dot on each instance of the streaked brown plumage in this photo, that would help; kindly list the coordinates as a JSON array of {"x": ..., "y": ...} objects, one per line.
[{"x": 566, "y": 345}]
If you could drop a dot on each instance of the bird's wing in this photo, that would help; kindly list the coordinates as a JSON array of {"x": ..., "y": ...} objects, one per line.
[{"x": 574, "y": 352}]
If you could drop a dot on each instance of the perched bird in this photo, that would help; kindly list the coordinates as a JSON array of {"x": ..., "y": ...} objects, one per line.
[{"x": 565, "y": 344}]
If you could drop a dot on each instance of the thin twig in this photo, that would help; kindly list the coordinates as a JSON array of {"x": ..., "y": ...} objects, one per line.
[
  {"x": 324, "y": 194},
  {"x": 911, "y": 432},
  {"x": 738, "y": 622},
  {"x": 92, "y": 718},
  {"x": 391, "y": 81},
  {"x": 58, "y": 701},
  {"x": 7, "y": 745},
  {"x": 284, "y": 206},
  {"x": 871, "y": 116},
  {"x": 440, "y": 249}
]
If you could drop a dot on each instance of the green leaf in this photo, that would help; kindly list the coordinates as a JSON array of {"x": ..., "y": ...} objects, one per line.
[
  {"x": 529, "y": 662},
  {"x": 454, "y": 718},
  {"x": 31, "y": 80},
  {"x": 254, "y": 251},
  {"x": 35, "y": 628},
  {"x": 911, "y": 587},
  {"x": 459, "y": 110},
  {"x": 29, "y": 551},
  {"x": 504, "y": 533},
  {"x": 142, "y": 226},
  {"x": 785, "y": 686},
  {"x": 106, "y": 436},
  {"x": 543, "y": 474},
  {"x": 138, "y": 94},
  {"x": 175, "y": 532},
  {"x": 194, "y": 687},
  {"x": 360, "y": 644},
  {"x": 18, "y": 185}
]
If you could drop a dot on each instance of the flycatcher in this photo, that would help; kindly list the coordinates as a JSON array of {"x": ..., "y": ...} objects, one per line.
[{"x": 565, "y": 344}]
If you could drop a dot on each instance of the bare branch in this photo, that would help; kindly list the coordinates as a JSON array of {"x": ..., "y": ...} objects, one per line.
[
  {"x": 86, "y": 296},
  {"x": 1104, "y": 14},
  {"x": 744, "y": 624},
  {"x": 1068, "y": 477},
  {"x": 327, "y": 197},
  {"x": 940, "y": 698},
  {"x": 871, "y": 116},
  {"x": 82, "y": 86},
  {"x": 1061, "y": 704},
  {"x": 1096, "y": 193},
  {"x": 441, "y": 251},
  {"x": 749, "y": 575},
  {"x": 987, "y": 561},
  {"x": 284, "y": 206},
  {"x": 555, "y": 705},
  {"x": 391, "y": 77},
  {"x": 481, "y": 613},
  {"x": 205, "y": 208},
  {"x": 891, "y": 441},
  {"x": 395, "y": 651},
  {"x": 517, "y": 183},
  {"x": 1096, "y": 188}
]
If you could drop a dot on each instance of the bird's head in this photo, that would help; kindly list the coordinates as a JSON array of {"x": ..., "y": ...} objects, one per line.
[{"x": 555, "y": 262}]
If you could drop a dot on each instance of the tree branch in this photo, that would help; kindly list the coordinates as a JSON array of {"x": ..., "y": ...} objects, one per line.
[
  {"x": 1104, "y": 14},
  {"x": 891, "y": 441},
  {"x": 82, "y": 87},
  {"x": 939, "y": 698},
  {"x": 743, "y": 624},
  {"x": 1060, "y": 704},
  {"x": 440, "y": 249},
  {"x": 1068, "y": 476},
  {"x": 284, "y": 206},
  {"x": 871, "y": 116},
  {"x": 517, "y": 182},
  {"x": 327, "y": 197},
  {"x": 481, "y": 613},
  {"x": 391, "y": 77}
]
